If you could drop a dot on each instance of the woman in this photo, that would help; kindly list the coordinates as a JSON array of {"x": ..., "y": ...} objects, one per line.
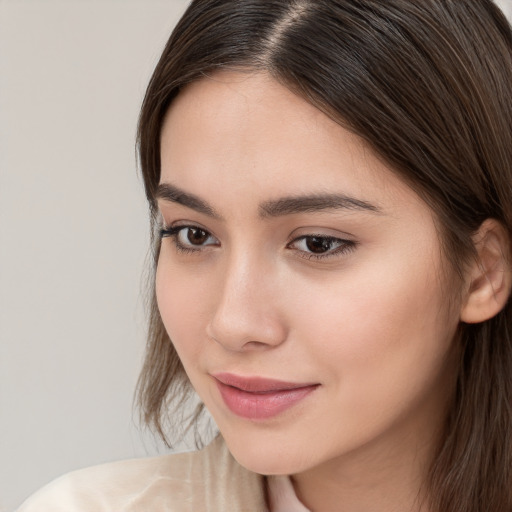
[{"x": 330, "y": 184}]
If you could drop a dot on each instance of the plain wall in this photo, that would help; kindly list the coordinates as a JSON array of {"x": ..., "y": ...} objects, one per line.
[
  {"x": 506, "y": 6},
  {"x": 73, "y": 232}
]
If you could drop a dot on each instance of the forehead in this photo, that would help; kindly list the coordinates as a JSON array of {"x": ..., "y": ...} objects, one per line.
[{"x": 246, "y": 135}]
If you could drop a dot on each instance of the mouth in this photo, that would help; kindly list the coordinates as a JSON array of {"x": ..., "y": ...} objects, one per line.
[{"x": 258, "y": 398}]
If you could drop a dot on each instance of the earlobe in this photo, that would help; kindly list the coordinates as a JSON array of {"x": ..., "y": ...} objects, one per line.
[{"x": 489, "y": 279}]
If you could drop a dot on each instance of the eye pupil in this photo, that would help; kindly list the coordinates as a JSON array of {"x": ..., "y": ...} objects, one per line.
[
  {"x": 318, "y": 245},
  {"x": 197, "y": 236}
]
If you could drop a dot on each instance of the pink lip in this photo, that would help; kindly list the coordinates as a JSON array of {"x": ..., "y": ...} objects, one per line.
[{"x": 258, "y": 398}]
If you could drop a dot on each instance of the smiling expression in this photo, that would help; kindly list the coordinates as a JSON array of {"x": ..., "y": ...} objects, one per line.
[{"x": 297, "y": 269}]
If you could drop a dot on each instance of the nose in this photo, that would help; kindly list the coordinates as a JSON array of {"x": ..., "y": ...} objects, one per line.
[{"x": 247, "y": 315}]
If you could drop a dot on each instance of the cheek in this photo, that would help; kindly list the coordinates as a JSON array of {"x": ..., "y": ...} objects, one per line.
[
  {"x": 380, "y": 330},
  {"x": 181, "y": 299}
]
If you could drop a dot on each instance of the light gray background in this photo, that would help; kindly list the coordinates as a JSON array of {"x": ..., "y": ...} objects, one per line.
[
  {"x": 73, "y": 232},
  {"x": 506, "y": 6}
]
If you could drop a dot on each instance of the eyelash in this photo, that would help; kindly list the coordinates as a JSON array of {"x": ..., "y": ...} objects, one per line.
[
  {"x": 345, "y": 246},
  {"x": 173, "y": 234}
]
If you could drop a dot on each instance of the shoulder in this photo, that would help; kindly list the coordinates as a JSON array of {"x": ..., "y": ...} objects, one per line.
[{"x": 209, "y": 479}]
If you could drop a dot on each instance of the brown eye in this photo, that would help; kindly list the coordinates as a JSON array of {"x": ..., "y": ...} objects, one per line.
[
  {"x": 319, "y": 245},
  {"x": 197, "y": 236},
  {"x": 193, "y": 238}
]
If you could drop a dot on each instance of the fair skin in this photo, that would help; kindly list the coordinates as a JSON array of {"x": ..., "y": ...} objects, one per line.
[{"x": 353, "y": 300}]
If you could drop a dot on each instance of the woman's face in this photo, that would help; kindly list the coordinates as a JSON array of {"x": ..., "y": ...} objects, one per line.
[{"x": 299, "y": 279}]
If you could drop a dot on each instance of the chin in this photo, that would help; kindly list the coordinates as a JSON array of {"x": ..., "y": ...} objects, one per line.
[{"x": 268, "y": 458}]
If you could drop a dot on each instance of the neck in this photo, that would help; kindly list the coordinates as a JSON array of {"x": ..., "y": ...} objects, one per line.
[{"x": 366, "y": 482}]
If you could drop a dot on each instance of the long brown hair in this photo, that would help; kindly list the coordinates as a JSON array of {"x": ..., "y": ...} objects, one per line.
[{"x": 427, "y": 84}]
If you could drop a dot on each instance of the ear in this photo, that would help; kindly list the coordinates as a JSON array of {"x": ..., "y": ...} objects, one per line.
[{"x": 489, "y": 279}]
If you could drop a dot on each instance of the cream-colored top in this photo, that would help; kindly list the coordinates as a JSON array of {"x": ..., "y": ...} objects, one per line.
[{"x": 208, "y": 480}]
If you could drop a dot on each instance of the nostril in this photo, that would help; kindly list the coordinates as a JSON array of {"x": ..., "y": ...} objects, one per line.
[
  {"x": 254, "y": 345},
  {"x": 240, "y": 344}
]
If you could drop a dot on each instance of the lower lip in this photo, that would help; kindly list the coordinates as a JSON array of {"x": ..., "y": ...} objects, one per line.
[{"x": 263, "y": 405}]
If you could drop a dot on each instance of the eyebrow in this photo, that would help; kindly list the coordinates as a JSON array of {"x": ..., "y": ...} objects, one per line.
[
  {"x": 169, "y": 192},
  {"x": 274, "y": 207},
  {"x": 314, "y": 203}
]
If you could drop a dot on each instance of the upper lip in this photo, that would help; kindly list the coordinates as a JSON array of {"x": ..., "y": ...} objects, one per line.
[{"x": 259, "y": 384}]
